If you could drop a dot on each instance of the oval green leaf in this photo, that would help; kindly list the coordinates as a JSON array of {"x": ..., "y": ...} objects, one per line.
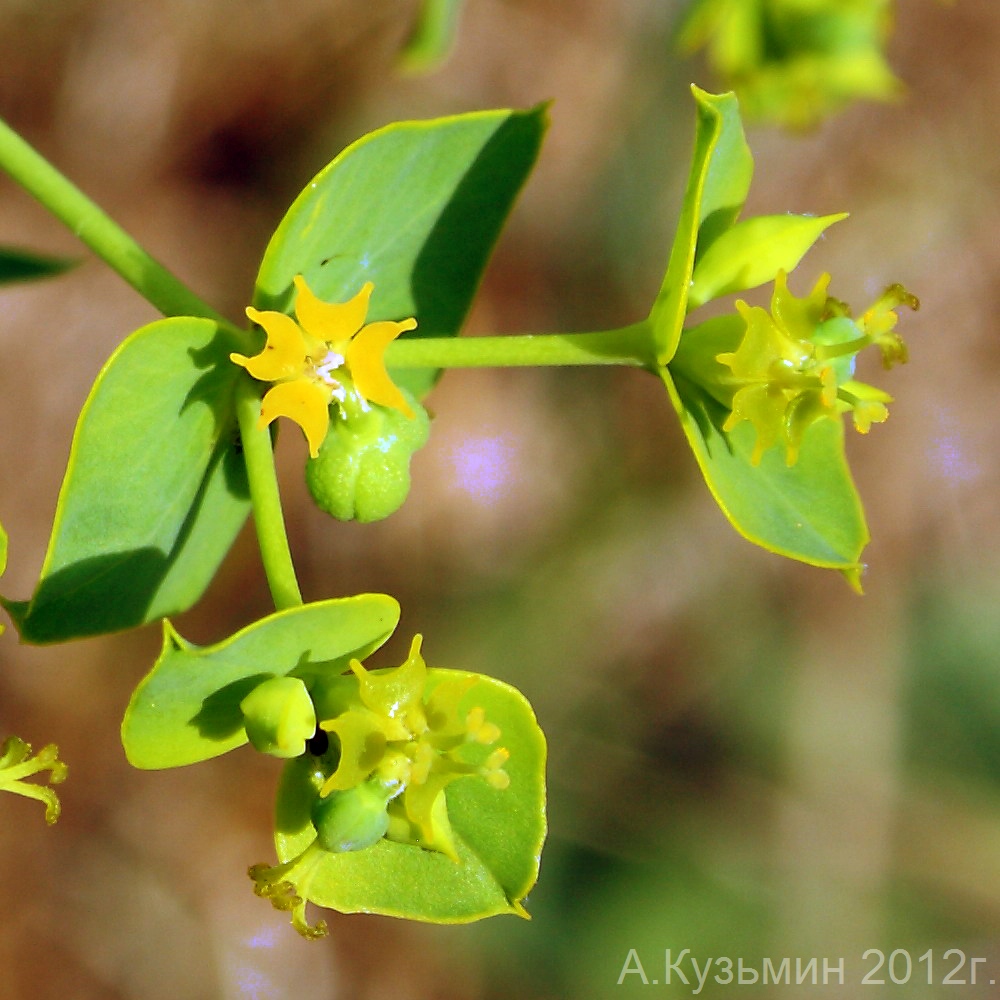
[
  {"x": 187, "y": 709},
  {"x": 154, "y": 492},
  {"x": 498, "y": 834},
  {"x": 415, "y": 208}
]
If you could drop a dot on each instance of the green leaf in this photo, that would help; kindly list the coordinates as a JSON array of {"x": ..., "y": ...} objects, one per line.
[
  {"x": 498, "y": 833},
  {"x": 416, "y": 208},
  {"x": 155, "y": 489},
  {"x": 809, "y": 511},
  {"x": 187, "y": 709},
  {"x": 718, "y": 182},
  {"x": 24, "y": 265},
  {"x": 752, "y": 252}
]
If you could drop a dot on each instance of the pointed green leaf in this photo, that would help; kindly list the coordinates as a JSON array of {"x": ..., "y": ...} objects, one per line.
[
  {"x": 415, "y": 208},
  {"x": 24, "y": 265},
  {"x": 155, "y": 489},
  {"x": 498, "y": 833},
  {"x": 752, "y": 252},
  {"x": 187, "y": 708},
  {"x": 809, "y": 511},
  {"x": 718, "y": 181}
]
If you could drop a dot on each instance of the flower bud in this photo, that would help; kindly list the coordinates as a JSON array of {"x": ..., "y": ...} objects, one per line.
[
  {"x": 362, "y": 471},
  {"x": 279, "y": 717}
]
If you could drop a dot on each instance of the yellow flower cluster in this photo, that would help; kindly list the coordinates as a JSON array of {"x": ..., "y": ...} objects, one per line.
[
  {"x": 795, "y": 364},
  {"x": 410, "y": 747},
  {"x": 397, "y": 739}
]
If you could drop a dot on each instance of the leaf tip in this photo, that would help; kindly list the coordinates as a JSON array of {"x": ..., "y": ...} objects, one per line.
[
  {"x": 709, "y": 101},
  {"x": 172, "y": 639},
  {"x": 853, "y": 575},
  {"x": 18, "y": 611}
]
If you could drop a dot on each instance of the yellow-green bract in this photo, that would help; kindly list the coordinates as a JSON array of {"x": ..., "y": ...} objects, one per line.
[
  {"x": 497, "y": 832},
  {"x": 810, "y": 511}
]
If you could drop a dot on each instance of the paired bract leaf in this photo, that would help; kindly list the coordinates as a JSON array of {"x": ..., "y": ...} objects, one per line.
[
  {"x": 498, "y": 832},
  {"x": 414, "y": 208},
  {"x": 721, "y": 169},
  {"x": 809, "y": 511},
  {"x": 187, "y": 709},
  {"x": 155, "y": 489}
]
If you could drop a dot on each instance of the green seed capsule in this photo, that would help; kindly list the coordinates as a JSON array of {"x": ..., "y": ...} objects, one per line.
[
  {"x": 352, "y": 819},
  {"x": 279, "y": 717},
  {"x": 362, "y": 472}
]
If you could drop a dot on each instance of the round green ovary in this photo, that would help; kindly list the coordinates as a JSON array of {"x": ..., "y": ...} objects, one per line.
[
  {"x": 362, "y": 472},
  {"x": 352, "y": 819}
]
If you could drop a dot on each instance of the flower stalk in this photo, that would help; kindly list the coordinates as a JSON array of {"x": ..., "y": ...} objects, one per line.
[
  {"x": 269, "y": 521},
  {"x": 97, "y": 230},
  {"x": 628, "y": 345}
]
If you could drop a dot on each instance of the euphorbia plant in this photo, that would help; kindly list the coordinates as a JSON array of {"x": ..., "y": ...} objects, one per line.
[{"x": 416, "y": 791}]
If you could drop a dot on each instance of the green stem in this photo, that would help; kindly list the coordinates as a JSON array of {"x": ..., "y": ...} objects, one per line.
[
  {"x": 266, "y": 500},
  {"x": 629, "y": 345},
  {"x": 91, "y": 225}
]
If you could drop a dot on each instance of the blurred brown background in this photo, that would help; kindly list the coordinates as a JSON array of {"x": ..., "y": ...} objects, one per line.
[{"x": 746, "y": 758}]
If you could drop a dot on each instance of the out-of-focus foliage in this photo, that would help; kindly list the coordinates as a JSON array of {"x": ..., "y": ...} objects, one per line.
[
  {"x": 795, "y": 62},
  {"x": 23, "y": 265},
  {"x": 433, "y": 36}
]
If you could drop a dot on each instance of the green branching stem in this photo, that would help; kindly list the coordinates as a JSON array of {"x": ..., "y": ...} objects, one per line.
[
  {"x": 95, "y": 229},
  {"x": 628, "y": 345},
  {"x": 268, "y": 519}
]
